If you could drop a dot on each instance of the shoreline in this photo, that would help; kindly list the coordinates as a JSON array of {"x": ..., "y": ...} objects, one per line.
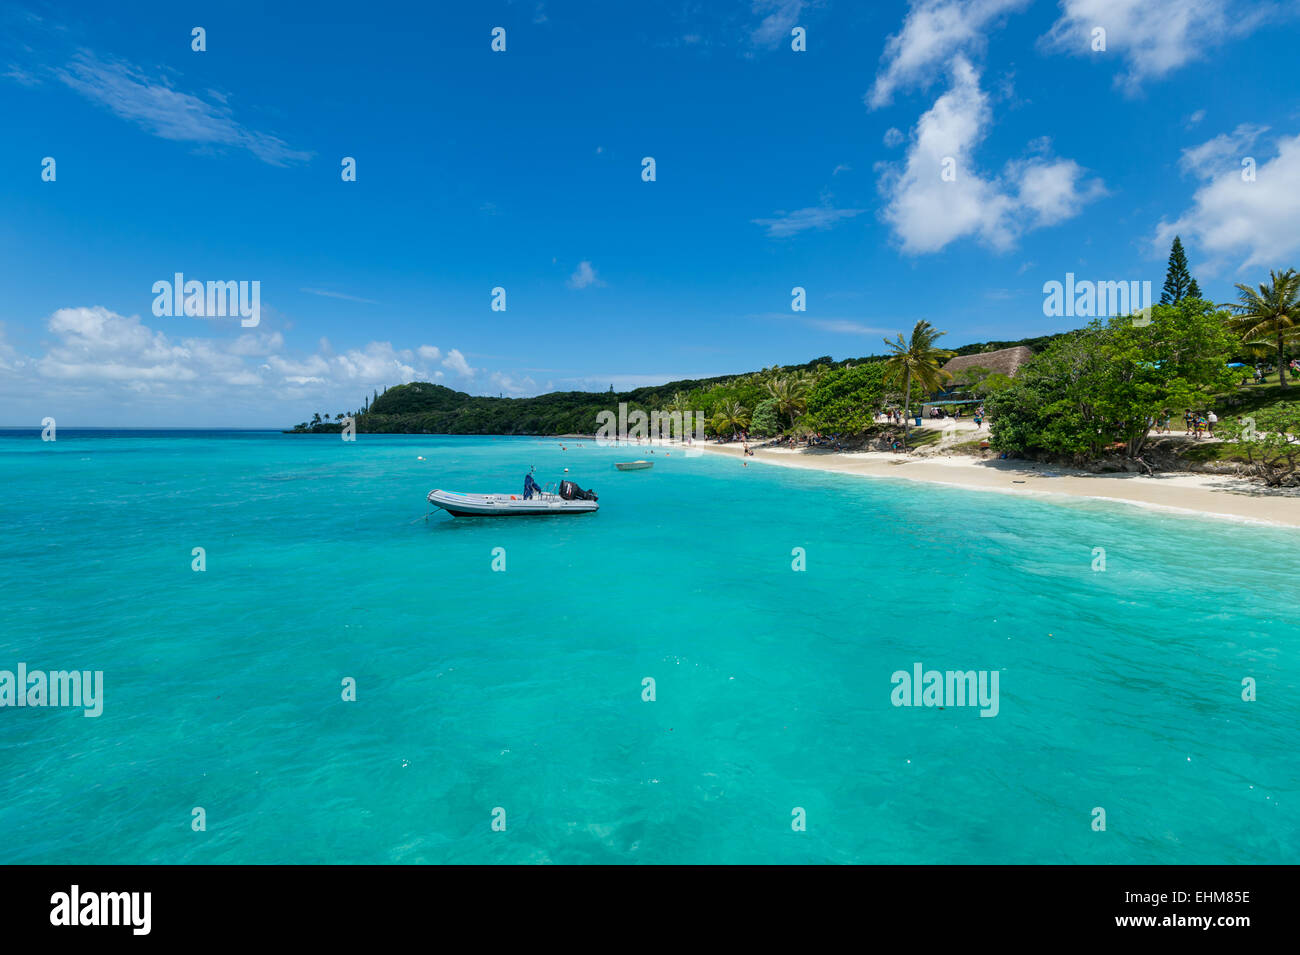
[
  {"x": 1216, "y": 496},
  {"x": 1202, "y": 495}
]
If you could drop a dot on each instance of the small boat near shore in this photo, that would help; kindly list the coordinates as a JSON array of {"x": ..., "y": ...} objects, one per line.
[{"x": 633, "y": 465}]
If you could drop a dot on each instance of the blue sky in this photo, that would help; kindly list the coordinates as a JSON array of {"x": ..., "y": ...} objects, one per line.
[{"x": 522, "y": 169}]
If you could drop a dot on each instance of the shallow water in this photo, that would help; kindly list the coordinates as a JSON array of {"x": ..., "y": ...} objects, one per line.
[{"x": 522, "y": 689}]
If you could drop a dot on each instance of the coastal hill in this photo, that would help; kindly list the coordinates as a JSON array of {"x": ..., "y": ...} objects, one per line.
[{"x": 422, "y": 407}]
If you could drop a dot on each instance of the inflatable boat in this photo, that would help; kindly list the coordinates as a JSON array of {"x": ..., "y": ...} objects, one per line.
[{"x": 570, "y": 499}]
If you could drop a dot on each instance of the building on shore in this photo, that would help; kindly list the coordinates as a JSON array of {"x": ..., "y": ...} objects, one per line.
[{"x": 967, "y": 370}]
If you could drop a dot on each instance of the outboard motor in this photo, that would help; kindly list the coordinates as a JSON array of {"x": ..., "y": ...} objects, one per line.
[{"x": 571, "y": 492}]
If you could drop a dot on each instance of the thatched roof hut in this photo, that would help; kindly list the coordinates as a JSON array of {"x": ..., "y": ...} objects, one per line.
[{"x": 1006, "y": 361}]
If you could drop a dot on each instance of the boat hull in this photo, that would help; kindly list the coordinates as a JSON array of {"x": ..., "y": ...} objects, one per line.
[
  {"x": 633, "y": 465},
  {"x": 507, "y": 505}
]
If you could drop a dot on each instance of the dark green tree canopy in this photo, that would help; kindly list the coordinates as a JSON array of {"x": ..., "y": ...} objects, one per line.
[
  {"x": 764, "y": 422},
  {"x": 846, "y": 400},
  {"x": 1107, "y": 384}
]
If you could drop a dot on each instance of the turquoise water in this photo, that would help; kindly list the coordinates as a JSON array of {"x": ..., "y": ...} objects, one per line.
[{"x": 522, "y": 690}]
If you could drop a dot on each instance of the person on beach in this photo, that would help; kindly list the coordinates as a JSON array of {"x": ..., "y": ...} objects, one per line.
[{"x": 1211, "y": 420}]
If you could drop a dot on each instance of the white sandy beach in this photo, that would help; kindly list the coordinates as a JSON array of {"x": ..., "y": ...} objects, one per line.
[
  {"x": 1205, "y": 494},
  {"x": 1209, "y": 495}
]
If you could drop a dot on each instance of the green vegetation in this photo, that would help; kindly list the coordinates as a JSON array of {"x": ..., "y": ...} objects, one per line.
[
  {"x": 845, "y": 401},
  {"x": 790, "y": 393},
  {"x": 1268, "y": 442},
  {"x": 916, "y": 360},
  {"x": 1086, "y": 394},
  {"x": 1270, "y": 314},
  {"x": 425, "y": 408},
  {"x": 982, "y": 382},
  {"x": 1179, "y": 283},
  {"x": 1036, "y": 344},
  {"x": 730, "y": 418},
  {"x": 1101, "y": 389},
  {"x": 764, "y": 422},
  {"x": 1107, "y": 384}
]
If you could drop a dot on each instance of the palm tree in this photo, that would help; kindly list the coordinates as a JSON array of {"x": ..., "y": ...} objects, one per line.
[
  {"x": 730, "y": 417},
  {"x": 1270, "y": 314},
  {"x": 790, "y": 395},
  {"x": 814, "y": 375},
  {"x": 917, "y": 360}
]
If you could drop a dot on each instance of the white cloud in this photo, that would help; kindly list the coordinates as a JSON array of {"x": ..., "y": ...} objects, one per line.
[
  {"x": 1052, "y": 191},
  {"x": 843, "y": 326},
  {"x": 327, "y": 294},
  {"x": 894, "y": 137},
  {"x": 457, "y": 363},
  {"x": 927, "y": 211},
  {"x": 934, "y": 32},
  {"x": 1236, "y": 222},
  {"x": 10, "y": 360},
  {"x": 1155, "y": 37},
  {"x": 377, "y": 361},
  {"x": 153, "y": 105},
  {"x": 255, "y": 344},
  {"x": 780, "y": 17},
  {"x": 513, "y": 386},
  {"x": 1221, "y": 153},
  {"x": 97, "y": 359},
  {"x": 816, "y": 217},
  {"x": 583, "y": 276},
  {"x": 96, "y": 344},
  {"x": 21, "y": 76}
]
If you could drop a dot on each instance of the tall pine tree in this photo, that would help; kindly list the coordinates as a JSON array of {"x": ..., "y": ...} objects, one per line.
[{"x": 1179, "y": 283}]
